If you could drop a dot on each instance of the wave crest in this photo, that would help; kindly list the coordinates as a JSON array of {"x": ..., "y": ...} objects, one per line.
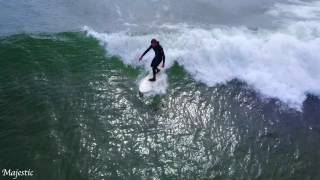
[{"x": 283, "y": 64}]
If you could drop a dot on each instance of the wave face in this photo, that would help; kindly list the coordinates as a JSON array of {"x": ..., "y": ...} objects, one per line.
[
  {"x": 70, "y": 112},
  {"x": 283, "y": 64}
]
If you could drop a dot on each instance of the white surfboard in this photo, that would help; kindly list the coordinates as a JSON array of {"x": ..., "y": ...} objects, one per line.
[{"x": 154, "y": 87}]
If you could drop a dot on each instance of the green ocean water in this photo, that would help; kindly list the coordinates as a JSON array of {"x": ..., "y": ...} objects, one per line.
[{"x": 70, "y": 111}]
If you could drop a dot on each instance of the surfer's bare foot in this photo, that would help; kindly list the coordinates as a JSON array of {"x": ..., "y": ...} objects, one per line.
[{"x": 152, "y": 79}]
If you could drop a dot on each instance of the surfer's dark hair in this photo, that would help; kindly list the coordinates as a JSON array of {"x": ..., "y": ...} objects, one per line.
[{"x": 154, "y": 41}]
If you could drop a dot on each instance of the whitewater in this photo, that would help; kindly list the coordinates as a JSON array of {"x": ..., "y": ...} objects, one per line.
[{"x": 280, "y": 63}]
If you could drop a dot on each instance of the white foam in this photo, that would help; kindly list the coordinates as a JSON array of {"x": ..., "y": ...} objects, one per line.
[
  {"x": 283, "y": 63},
  {"x": 149, "y": 88}
]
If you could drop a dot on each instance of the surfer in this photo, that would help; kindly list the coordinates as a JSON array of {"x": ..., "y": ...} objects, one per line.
[{"x": 158, "y": 58}]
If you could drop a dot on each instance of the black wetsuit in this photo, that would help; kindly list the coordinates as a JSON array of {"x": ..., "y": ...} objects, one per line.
[{"x": 159, "y": 56}]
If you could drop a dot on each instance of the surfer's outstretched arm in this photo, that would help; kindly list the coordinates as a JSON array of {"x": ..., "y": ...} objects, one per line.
[{"x": 145, "y": 52}]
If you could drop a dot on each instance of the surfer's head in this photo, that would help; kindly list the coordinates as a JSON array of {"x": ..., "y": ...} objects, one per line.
[{"x": 154, "y": 42}]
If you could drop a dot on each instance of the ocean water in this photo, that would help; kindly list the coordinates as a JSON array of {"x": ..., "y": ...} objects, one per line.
[{"x": 241, "y": 98}]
